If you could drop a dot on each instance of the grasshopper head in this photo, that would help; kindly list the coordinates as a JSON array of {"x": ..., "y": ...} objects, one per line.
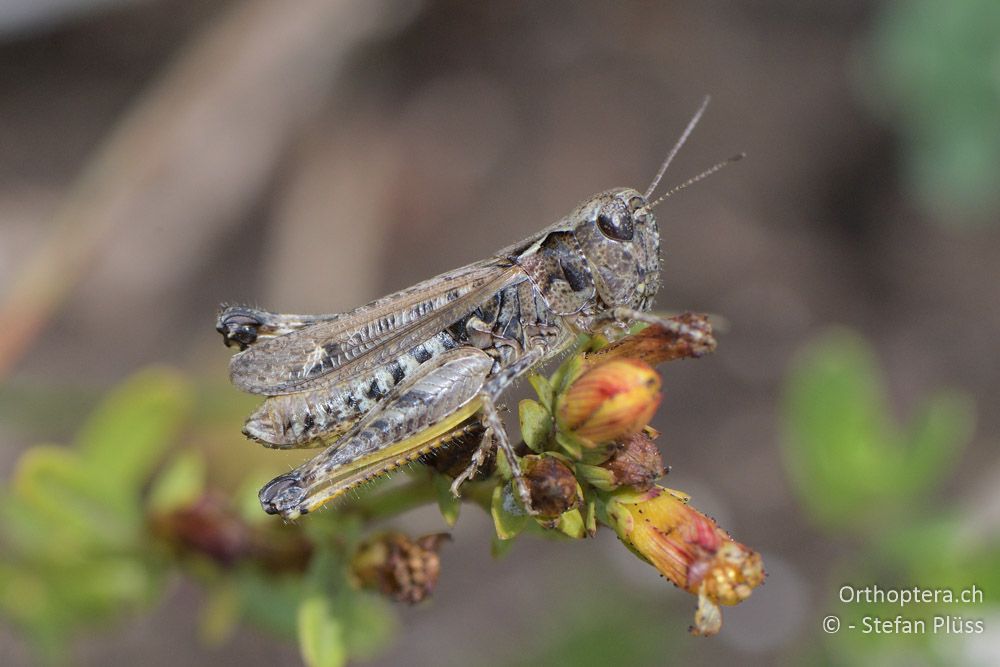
[{"x": 618, "y": 235}]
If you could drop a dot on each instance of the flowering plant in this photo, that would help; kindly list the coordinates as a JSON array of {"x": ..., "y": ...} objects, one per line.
[
  {"x": 98, "y": 529},
  {"x": 590, "y": 460}
]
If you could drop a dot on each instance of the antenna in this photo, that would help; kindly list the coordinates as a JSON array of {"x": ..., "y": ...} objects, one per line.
[
  {"x": 680, "y": 142},
  {"x": 691, "y": 181}
]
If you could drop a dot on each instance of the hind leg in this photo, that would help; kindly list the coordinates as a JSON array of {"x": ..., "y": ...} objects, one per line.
[
  {"x": 496, "y": 434},
  {"x": 440, "y": 396}
]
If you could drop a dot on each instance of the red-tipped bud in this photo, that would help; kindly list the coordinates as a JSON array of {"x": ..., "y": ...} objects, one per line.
[
  {"x": 688, "y": 548},
  {"x": 609, "y": 401}
]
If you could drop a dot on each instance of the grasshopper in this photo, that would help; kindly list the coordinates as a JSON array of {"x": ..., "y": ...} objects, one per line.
[{"x": 391, "y": 381}]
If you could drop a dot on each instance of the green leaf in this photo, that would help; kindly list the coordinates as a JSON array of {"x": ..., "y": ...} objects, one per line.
[
  {"x": 935, "y": 439},
  {"x": 369, "y": 624},
  {"x": 447, "y": 502},
  {"x": 924, "y": 75},
  {"x": 849, "y": 463},
  {"x": 600, "y": 478},
  {"x": 105, "y": 586},
  {"x": 837, "y": 427},
  {"x": 60, "y": 491},
  {"x": 571, "y": 444},
  {"x": 590, "y": 520},
  {"x": 366, "y": 624},
  {"x": 25, "y": 535},
  {"x": 503, "y": 465},
  {"x": 536, "y": 424},
  {"x": 980, "y": 567},
  {"x": 923, "y": 549},
  {"x": 542, "y": 388},
  {"x": 572, "y": 525},
  {"x": 49, "y": 603},
  {"x": 127, "y": 434},
  {"x": 24, "y": 595},
  {"x": 569, "y": 371},
  {"x": 499, "y": 548},
  {"x": 270, "y": 601},
  {"x": 220, "y": 614},
  {"x": 321, "y": 639},
  {"x": 506, "y": 522},
  {"x": 181, "y": 484}
]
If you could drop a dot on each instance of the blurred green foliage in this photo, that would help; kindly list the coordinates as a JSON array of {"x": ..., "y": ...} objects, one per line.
[
  {"x": 852, "y": 465},
  {"x": 94, "y": 532},
  {"x": 935, "y": 76},
  {"x": 863, "y": 477},
  {"x": 75, "y": 547},
  {"x": 604, "y": 627}
]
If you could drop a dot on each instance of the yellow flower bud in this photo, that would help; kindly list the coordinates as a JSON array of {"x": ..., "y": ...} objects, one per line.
[{"x": 609, "y": 401}]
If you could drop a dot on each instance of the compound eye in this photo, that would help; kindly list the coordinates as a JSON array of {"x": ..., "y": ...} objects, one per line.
[{"x": 617, "y": 225}]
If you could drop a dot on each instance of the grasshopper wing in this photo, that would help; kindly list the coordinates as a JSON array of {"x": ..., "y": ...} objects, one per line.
[{"x": 370, "y": 335}]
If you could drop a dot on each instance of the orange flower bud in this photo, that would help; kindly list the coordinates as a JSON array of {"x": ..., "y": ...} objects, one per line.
[
  {"x": 688, "y": 548},
  {"x": 609, "y": 401}
]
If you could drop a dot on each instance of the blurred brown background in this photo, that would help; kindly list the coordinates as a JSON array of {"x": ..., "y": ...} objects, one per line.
[{"x": 161, "y": 157}]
